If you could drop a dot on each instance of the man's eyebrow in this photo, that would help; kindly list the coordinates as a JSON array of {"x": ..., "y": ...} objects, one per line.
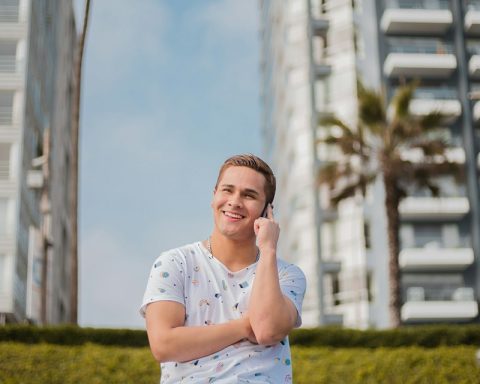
[{"x": 246, "y": 190}]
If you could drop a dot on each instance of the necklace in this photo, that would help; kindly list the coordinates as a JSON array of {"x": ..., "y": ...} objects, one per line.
[{"x": 209, "y": 247}]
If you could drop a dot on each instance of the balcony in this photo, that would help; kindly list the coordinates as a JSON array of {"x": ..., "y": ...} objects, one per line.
[
  {"x": 474, "y": 65},
  {"x": 332, "y": 319},
  {"x": 321, "y": 70},
  {"x": 472, "y": 18},
  {"x": 439, "y": 311},
  {"x": 417, "y": 64},
  {"x": 331, "y": 266},
  {"x": 320, "y": 25},
  {"x": 447, "y": 304},
  {"x": 412, "y": 208},
  {"x": 434, "y": 258},
  {"x": 414, "y": 57},
  {"x": 428, "y": 100},
  {"x": 416, "y": 20}
]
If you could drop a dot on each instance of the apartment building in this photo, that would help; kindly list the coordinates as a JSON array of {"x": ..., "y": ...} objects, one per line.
[
  {"x": 313, "y": 54},
  {"x": 37, "y": 40}
]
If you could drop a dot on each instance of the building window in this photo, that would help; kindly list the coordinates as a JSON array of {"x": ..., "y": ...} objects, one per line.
[
  {"x": 335, "y": 289},
  {"x": 366, "y": 234}
]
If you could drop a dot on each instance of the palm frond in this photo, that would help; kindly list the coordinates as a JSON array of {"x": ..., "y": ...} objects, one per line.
[
  {"x": 432, "y": 147},
  {"x": 401, "y": 101},
  {"x": 432, "y": 121},
  {"x": 332, "y": 173},
  {"x": 371, "y": 109}
]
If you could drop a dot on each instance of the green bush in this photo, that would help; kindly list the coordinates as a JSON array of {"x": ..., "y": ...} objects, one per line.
[
  {"x": 89, "y": 363},
  {"x": 424, "y": 336},
  {"x": 428, "y": 336},
  {"x": 96, "y": 364},
  {"x": 72, "y": 335},
  {"x": 407, "y": 365}
]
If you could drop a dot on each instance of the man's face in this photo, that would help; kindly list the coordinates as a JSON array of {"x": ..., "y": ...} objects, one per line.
[{"x": 238, "y": 200}]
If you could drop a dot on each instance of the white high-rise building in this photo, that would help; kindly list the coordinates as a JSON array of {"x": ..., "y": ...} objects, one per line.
[
  {"x": 313, "y": 54},
  {"x": 37, "y": 41}
]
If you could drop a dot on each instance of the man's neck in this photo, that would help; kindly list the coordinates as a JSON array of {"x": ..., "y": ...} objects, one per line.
[{"x": 234, "y": 254}]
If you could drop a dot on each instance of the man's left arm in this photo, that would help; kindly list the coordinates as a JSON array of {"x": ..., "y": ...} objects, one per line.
[{"x": 272, "y": 314}]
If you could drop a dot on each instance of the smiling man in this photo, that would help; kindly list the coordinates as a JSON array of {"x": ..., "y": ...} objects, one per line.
[{"x": 220, "y": 310}]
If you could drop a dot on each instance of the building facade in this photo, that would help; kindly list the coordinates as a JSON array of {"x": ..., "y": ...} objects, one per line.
[
  {"x": 313, "y": 54},
  {"x": 37, "y": 40}
]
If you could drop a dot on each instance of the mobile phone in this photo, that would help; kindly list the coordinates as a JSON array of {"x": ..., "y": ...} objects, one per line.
[{"x": 264, "y": 212}]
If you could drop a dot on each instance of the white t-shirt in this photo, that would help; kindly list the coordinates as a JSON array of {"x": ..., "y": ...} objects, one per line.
[{"x": 212, "y": 294}]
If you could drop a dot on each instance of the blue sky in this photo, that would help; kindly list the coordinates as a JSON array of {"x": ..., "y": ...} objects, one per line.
[{"x": 170, "y": 90}]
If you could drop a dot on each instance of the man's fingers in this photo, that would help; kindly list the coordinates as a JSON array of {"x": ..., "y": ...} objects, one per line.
[{"x": 269, "y": 211}]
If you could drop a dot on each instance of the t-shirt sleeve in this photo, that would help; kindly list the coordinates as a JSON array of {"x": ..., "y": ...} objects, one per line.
[
  {"x": 293, "y": 285},
  {"x": 165, "y": 281}
]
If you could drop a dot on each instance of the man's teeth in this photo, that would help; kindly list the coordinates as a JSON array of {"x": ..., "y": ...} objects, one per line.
[{"x": 233, "y": 215}]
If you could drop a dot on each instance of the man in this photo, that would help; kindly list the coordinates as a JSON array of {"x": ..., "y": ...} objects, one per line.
[{"x": 220, "y": 310}]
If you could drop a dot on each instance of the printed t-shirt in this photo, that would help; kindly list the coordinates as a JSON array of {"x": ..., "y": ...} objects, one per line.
[{"x": 212, "y": 294}]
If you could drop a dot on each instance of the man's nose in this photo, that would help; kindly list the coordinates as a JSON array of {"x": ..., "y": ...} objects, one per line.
[{"x": 235, "y": 200}]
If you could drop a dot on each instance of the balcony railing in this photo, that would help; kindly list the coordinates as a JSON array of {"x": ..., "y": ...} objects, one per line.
[
  {"x": 8, "y": 13},
  {"x": 473, "y": 6},
  {"x": 8, "y": 64},
  {"x": 418, "y": 4},
  {"x": 440, "y": 294},
  {"x": 5, "y": 115},
  {"x": 436, "y": 242},
  {"x": 435, "y": 93},
  {"x": 4, "y": 170},
  {"x": 436, "y": 47}
]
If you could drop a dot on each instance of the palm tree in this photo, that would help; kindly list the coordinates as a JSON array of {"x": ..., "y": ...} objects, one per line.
[
  {"x": 379, "y": 147},
  {"x": 74, "y": 164}
]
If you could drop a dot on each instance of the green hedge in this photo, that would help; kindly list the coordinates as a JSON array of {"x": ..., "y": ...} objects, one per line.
[
  {"x": 424, "y": 336},
  {"x": 96, "y": 364},
  {"x": 72, "y": 335},
  {"x": 407, "y": 365}
]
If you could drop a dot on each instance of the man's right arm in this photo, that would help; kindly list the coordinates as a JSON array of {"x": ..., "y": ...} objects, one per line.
[{"x": 171, "y": 340}]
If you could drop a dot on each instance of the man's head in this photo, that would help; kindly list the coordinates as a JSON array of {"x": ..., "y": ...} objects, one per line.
[{"x": 255, "y": 163}]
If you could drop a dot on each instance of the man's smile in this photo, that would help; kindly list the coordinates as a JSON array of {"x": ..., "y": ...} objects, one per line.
[{"x": 233, "y": 215}]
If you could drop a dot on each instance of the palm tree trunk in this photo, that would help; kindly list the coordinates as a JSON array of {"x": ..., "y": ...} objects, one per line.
[
  {"x": 74, "y": 166},
  {"x": 392, "y": 200}
]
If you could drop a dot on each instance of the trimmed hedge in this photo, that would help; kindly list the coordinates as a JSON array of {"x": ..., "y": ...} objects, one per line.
[
  {"x": 89, "y": 363},
  {"x": 424, "y": 336},
  {"x": 72, "y": 335},
  {"x": 430, "y": 336},
  {"x": 407, "y": 365},
  {"x": 96, "y": 364}
]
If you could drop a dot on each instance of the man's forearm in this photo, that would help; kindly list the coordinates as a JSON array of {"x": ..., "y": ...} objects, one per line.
[
  {"x": 270, "y": 312},
  {"x": 182, "y": 344}
]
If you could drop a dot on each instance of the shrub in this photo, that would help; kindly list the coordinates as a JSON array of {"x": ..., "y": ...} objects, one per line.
[
  {"x": 424, "y": 336},
  {"x": 407, "y": 365},
  {"x": 89, "y": 363},
  {"x": 428, "y": 336},
  {"x": 73, "y": 335},
  {"x": 96, "y": 364}
]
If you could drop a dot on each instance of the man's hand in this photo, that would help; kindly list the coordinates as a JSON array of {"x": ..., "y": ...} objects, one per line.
[{"x": 267, "y": 231}]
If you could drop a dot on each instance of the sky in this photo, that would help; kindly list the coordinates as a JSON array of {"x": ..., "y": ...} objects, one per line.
[{"x": 170, "y": 90}]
